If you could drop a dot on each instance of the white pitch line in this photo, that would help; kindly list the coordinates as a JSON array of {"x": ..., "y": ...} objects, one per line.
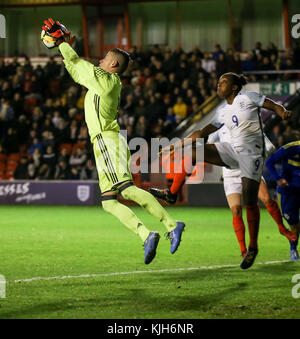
[{"x": 141, "y": 272}]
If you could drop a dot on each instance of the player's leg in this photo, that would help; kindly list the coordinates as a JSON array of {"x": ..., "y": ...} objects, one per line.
[
  {"x": 289, "y": 204},
  {"x": 111, "y": 205},
  {"x": 233, "y": 192},
  {"x": 274, "y": 210},
  {"x": 150, "y": 240},
  {"x": 181, "y": 171},
  {"x": 211, "y": 155},
  {"x": 153, "y": 207},
  {"x": 110, "y": 172},
  {"x": 250, "y": 193}
]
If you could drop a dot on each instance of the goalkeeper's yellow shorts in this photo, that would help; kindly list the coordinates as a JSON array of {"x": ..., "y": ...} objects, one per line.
[{"x": 112, "y": 157}]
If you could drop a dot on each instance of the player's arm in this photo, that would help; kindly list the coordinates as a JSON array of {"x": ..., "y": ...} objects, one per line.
[
  {"x": 82, "y": 71},
  {"x": 213, "y": 138},
  {"x": 213, "y": 126},
  {"x": 277, "y": 157},
  {"x": 191, "y": 139},
  {"x": 277, "y": 108}
]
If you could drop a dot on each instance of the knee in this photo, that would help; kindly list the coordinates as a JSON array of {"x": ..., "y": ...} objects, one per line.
[
  {"x": 265, "y": 199},
  {"x": 129, "y": 193},
  {"x": 236, "y": 210}
]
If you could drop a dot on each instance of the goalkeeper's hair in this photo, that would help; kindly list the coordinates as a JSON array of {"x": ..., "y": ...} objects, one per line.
[{"x": 123, "y": 59}]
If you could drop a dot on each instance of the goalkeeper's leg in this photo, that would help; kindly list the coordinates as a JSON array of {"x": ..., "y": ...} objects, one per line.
[
  {"x": 111, "y": 205},
  {"x": 149, "y": 203}
]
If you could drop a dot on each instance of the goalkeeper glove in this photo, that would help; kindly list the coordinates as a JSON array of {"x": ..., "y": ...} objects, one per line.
[{"x": 56, "y": 30}]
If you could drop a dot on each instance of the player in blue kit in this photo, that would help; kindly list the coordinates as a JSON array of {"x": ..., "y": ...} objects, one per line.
[{"x": 288, "y": 186}]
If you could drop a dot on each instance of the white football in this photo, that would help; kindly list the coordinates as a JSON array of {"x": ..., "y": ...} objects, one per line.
[{"x": 47, "y": 40}]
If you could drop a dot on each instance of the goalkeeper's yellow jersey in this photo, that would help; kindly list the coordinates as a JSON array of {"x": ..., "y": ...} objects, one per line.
[{"x": 102, "y": 99}]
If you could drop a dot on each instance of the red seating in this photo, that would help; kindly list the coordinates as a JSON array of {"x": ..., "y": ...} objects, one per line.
[
  {"x": 78, "y": 145},
  {"x": 11, "y": 166},
  {"x": 14, "y": 156},
  {"x": 68, "y": 147},
  {"x": 3, "y": 157}
]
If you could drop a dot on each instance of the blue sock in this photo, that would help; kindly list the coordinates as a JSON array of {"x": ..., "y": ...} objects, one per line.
[{"x": 293, "y": 245}]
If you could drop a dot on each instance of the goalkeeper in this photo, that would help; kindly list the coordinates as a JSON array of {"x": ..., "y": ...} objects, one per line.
[{"x": 110, "y": 147}]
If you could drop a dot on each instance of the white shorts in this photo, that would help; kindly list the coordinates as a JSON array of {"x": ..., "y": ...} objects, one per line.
[
  {"x": 233, "y": 185},
  {"x": 246, "y": 158}
]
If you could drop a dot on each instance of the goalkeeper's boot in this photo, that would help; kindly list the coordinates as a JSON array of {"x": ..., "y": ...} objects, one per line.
[
  {"x": 150, "y": 246},
  {"x": 249, "y": 258},
  {"x": 175, "y": 236},
  {"x": 164, "y": 194}
]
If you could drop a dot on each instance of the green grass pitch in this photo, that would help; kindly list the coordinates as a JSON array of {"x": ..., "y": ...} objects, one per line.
[{"x": 201, "y": 280}]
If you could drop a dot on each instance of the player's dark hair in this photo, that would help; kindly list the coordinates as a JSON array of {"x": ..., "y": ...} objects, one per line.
[
  {"x": 126, "y": 57},
  {"x": 237, "y": 79}
]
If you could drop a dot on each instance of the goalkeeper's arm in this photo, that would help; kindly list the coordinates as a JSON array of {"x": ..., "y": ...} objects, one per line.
[
  {"x": 80, "y": 70},
  {"x": 83, "y": 72}
]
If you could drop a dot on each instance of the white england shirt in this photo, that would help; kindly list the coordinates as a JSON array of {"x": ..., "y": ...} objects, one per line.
[{"x": 243, "y": 120}]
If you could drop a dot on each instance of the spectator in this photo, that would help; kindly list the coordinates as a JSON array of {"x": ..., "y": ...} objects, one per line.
[
  {"x": 61, "y": 171},
  {"x": 63, "y": 155},
  {"x": 83, "y": 135},
  {"x": 72, "y": 132},
  {"x": 31, "y": 172},
  {"x": 36, "y": 158},
  {"x": 49, "y": 157},
  {"x": 74, "y": 173},
  {"x": 221, "y": 65},
  {"x": 170, "y": 121},
  {"x": 44, "y": 172},
  {"x": 21, "y": 171},
  {"x": 141, "y": 127},
  {"x": 35, "y": 144},
  {"x": 6, "y": 111},
  {"x": 78, "y": 157},
  {"x": 208, "y": 64},
  {"x": 249, "y": 64},
  {"x": 89, "y": 171},
  {"x": 180, "y": 108},
  {"x": 218, "y": 51}
]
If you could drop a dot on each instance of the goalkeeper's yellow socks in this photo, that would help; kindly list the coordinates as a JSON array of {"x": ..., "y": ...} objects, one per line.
[
  {"x": 150, "y": 204},
  {"x": 127, "y": 217}
]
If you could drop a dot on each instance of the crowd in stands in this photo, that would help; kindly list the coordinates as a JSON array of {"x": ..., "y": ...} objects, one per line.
[{"x": 42, "y": 130}]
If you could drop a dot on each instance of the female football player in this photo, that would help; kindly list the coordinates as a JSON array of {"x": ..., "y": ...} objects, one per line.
[{"x": 241, "y": 115}]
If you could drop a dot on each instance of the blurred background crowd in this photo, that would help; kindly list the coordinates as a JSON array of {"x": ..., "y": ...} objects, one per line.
[{"x": 42, "y": 130}]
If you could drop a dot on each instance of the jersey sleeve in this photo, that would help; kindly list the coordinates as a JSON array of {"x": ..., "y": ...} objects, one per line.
[
  {"x": 256, "y": 98},
  {"x": 83, "y": 72},
  {"x": 213, "y": 138}
]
